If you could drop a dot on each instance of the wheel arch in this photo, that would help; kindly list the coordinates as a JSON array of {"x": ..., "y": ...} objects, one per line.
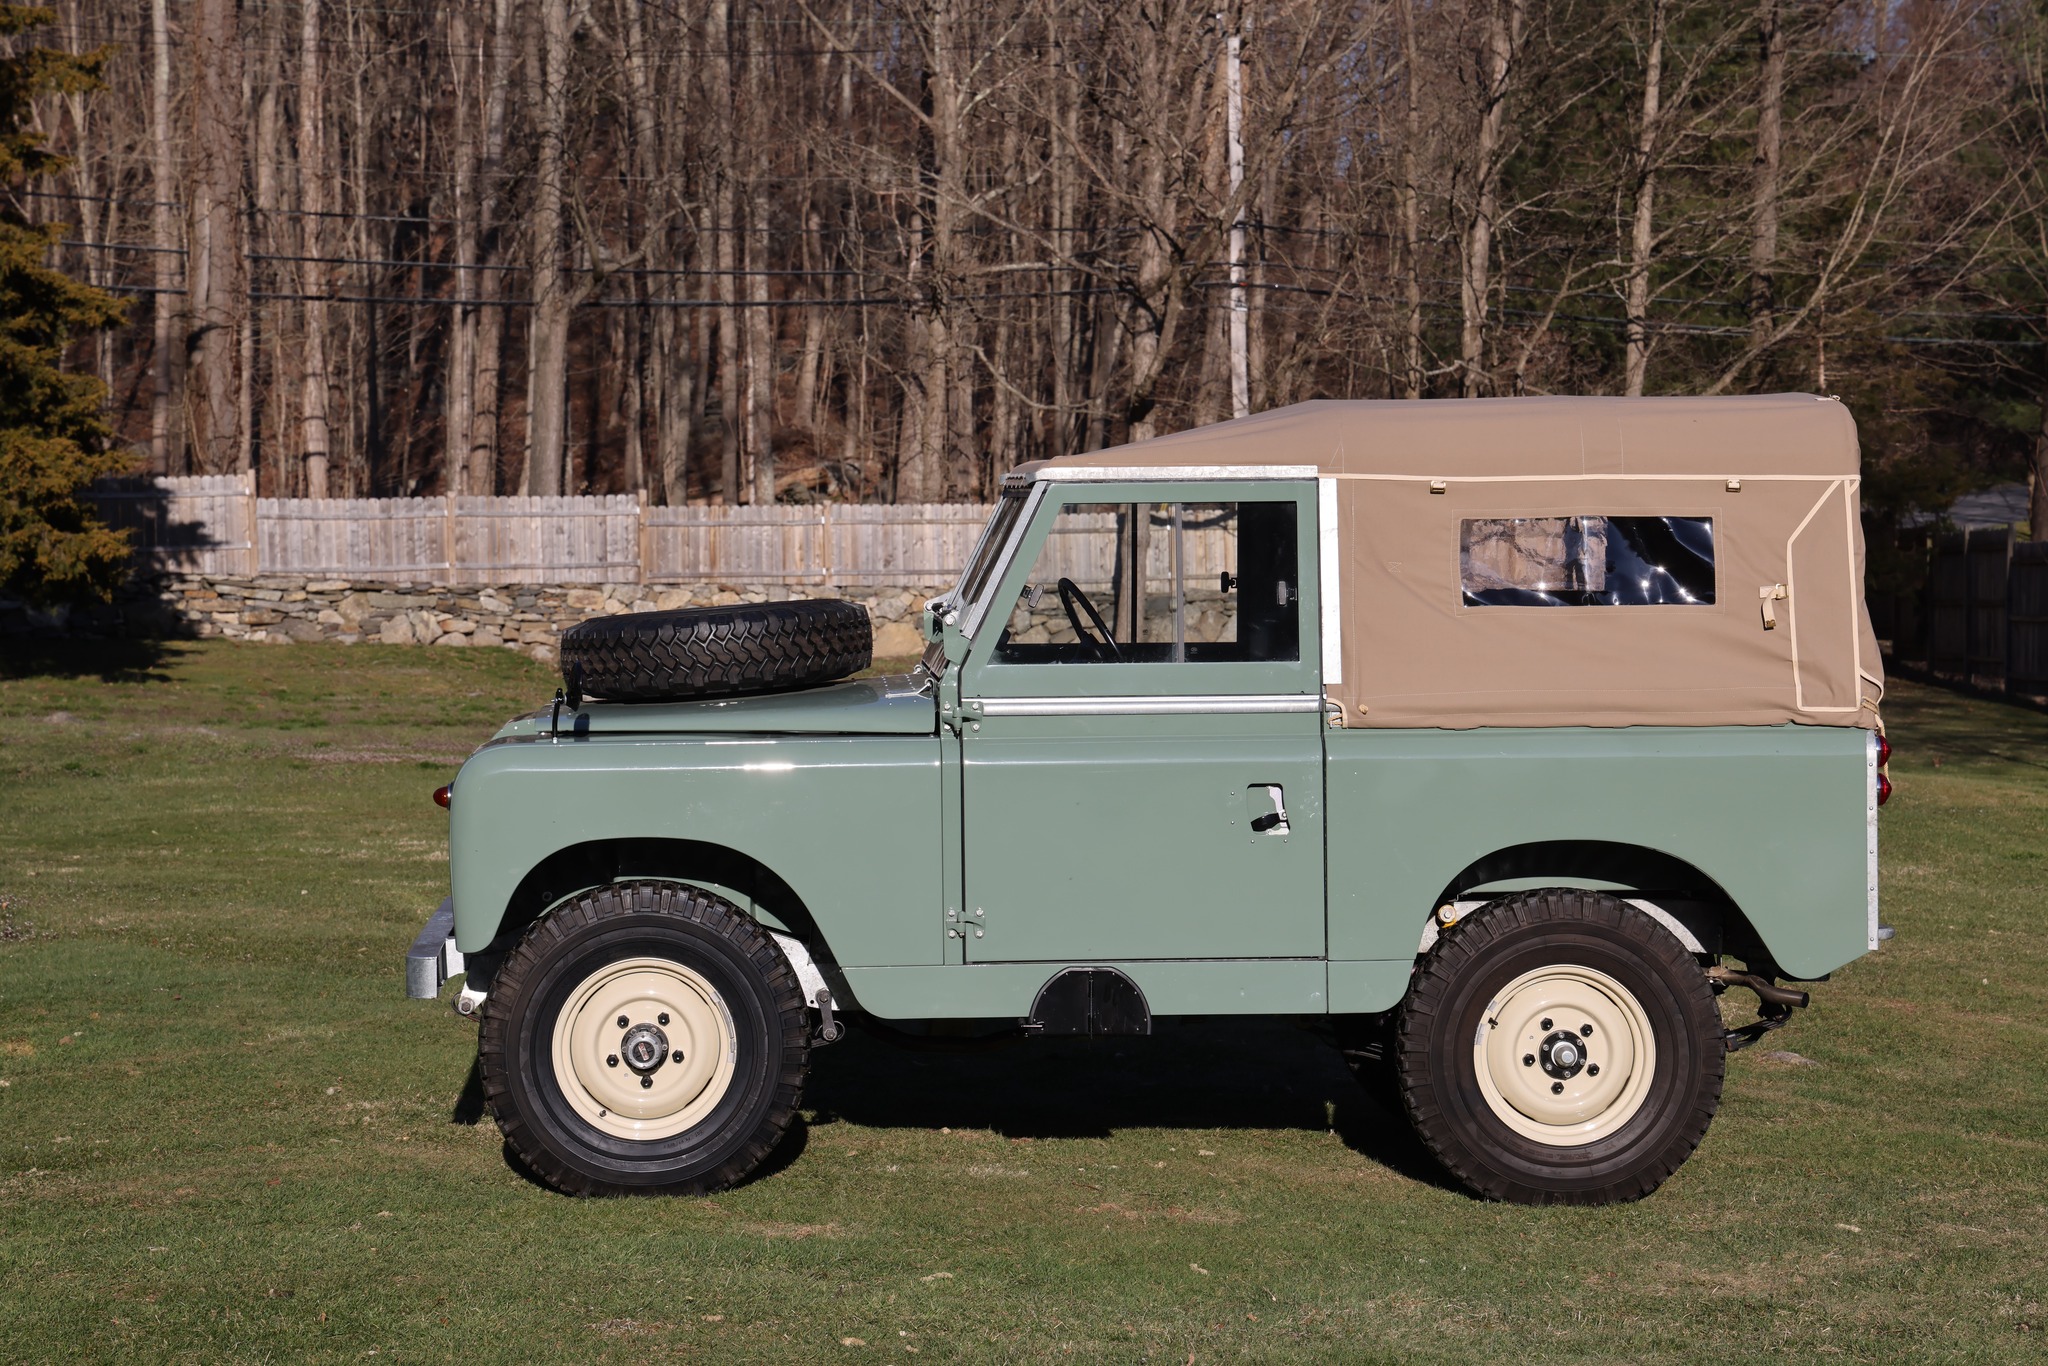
[
  {"x": 738, "y": 877},
  {"x": 1676, "y": 887}
]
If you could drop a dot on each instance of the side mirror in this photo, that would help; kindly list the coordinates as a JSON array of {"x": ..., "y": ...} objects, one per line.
[{"x": 1228, "y": 582}]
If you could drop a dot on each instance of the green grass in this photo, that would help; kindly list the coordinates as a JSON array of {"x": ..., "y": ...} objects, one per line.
[{"x": 225, "y": 1135}]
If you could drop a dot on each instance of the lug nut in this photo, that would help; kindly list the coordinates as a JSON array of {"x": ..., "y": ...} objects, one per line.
[
  {"x": 611, "y": 1060},
  {"x": 1557, "y": 1088},
  {"x": 1528, "y": 1060},
  {"x": 663, "y": 1019},
  {"x": 1585, "y": 1031},
  {"x": 623, "y": 1022},
  {"x": 1545, "y": 1024},
  {"x": 1594, "y": 1070},
  {"x": 677, "y": 1055},
  {"x": 646, "y": 1082}
]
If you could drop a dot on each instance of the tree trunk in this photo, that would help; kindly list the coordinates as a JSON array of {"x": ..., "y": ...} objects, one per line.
[
  {"x": 1500, "y": 38},
  {"x": 1637, "y": 362},
  {"x": 216, "y": 287},
  {"x": 810, "y": 359},
  {"x": 1770, "y": 116},
  {"x": 262, "y": 237},
  {"x": 459, "y": 409},
  {"x": 486, "y": 398},
  {"x": 721, "y": 227},
  {"x": 760, "y": 335},
  {"x": 547, "y": 391},
  {"x": 1155, "y": 312},
  {"x": 166, "y": 451},
  {"x": 1411, "y": 207},
  {"x": 314, "y": 173}
]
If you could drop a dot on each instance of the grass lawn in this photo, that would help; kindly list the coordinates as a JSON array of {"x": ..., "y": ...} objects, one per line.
[{"x": 225, "y": 1135}]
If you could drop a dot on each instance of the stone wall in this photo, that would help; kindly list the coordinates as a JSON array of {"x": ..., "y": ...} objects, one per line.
[{"x": 283, "y": 609}]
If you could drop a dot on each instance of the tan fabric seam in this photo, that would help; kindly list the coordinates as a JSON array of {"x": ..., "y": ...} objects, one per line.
[{"x": 1791, "y": 588}]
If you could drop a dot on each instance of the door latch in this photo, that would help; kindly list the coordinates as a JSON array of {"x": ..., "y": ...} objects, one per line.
[{"x": 1272, "y": 820}]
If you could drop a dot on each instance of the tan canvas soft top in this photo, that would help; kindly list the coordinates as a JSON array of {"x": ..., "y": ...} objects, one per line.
[{"x": 1786, "y": 638}]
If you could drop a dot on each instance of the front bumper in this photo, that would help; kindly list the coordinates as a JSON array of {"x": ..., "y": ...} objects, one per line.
[{"x": 433, "y": 957}]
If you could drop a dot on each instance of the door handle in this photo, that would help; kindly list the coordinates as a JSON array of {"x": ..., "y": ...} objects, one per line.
[{"x": 1267, "y": 803}]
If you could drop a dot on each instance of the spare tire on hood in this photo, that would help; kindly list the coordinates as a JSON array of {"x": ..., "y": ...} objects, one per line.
[{"x": 716, "y": 651}]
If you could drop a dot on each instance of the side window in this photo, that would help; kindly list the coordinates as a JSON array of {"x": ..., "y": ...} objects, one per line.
[
  {"x": 1587, "y": 561},
  {"x": 1125, "y": 583}
]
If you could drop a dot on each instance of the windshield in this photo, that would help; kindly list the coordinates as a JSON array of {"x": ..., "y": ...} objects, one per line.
[{"x": 988, "y": 552}]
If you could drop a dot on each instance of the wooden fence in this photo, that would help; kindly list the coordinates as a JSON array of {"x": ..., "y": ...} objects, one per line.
[
  {"x": 215, "y": 524},
  {"x": 1986, "y": 609}
]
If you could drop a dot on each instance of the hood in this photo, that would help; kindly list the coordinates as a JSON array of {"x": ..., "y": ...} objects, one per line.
[{"x": 894, "y": 704}]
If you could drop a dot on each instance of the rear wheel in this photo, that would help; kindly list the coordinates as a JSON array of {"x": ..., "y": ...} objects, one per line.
[
  {"x": 645, "y": 1038},
  {"x": 1560, "y": 1047}
]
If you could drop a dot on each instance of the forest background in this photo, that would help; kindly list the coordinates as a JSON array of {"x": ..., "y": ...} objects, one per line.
[{"x": 883, "y": 250}]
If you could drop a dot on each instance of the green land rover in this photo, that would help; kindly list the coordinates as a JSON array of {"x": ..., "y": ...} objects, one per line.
[{"x": 1499, "y": 738}]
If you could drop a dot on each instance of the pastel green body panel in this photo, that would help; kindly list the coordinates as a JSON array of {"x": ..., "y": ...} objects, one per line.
[
  {"x": 1131, "y": 837},
  {"x": 845, "y": 820},
  {"x": 1773, "y": 815}
]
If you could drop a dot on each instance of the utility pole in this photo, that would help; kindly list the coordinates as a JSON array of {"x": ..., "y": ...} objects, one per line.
[{"x": 1233, "y": 150}]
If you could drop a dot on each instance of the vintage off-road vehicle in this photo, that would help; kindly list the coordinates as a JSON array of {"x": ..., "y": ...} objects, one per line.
[{"x": 1492, "y": 734}]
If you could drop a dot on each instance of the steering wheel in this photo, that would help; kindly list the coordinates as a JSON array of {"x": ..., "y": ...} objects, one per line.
[{"x": 1104, "y": 644}]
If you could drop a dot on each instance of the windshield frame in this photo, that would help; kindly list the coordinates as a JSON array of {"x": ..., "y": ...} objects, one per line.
[{"x": 990, "y": 562}]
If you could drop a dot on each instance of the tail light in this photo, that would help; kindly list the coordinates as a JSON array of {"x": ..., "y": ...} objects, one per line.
[
  {"x": 1884, "y": 751},
  {"x": 1884, "y": 781},
  {"x": 1884, "y": 789},
  {"x": 442, "y": 794}
]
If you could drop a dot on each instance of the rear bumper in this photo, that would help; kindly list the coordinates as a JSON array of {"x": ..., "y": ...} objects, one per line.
[{"x": 433, "y": 957}]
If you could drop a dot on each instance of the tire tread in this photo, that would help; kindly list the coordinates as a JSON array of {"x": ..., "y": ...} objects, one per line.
[{"x": 695, "y": 652}]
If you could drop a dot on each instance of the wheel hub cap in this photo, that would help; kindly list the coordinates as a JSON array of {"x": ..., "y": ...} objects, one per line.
[
  {"x": 1562, "y": 1056},
  {"x": 645, "y": 1048}
]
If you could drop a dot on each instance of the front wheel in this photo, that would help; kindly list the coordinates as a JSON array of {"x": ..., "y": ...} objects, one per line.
[
  {"x": 645, "y": 1038},
  {"x": 1560, "y": 1047}
]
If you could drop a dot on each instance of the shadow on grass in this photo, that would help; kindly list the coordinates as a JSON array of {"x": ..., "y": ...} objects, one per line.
[
  {"x": 1197, "y": 1075},
  {"x": 1226, "y": 1073},
  {"x": 110, "y": 661}
]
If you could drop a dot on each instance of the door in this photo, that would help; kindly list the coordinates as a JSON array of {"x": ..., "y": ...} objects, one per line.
[{"x": 1142, "y": 738}]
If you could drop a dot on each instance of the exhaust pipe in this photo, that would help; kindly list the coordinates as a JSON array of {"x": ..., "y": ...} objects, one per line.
[
  {"x": 1766, "y": 990},
  {"x": 1775, "y": 1004}
]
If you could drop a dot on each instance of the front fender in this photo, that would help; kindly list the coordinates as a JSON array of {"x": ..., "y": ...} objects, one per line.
[{"x": 846, "y": 821}]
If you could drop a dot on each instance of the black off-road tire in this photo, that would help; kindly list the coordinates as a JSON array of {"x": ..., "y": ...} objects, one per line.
[
  {"x": 1438, "y": 1036},
  {"x": 543, "y": 975},
  {"x": 717, "y": 651}
]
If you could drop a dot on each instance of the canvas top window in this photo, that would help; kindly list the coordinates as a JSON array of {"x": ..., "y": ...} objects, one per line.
[
  {"x": 1167, "y": 582},
  {"x": 1587, "y": 560}
]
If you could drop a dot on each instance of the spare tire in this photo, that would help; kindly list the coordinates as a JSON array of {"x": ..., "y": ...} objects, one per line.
[{"x": 717, "y": 651}]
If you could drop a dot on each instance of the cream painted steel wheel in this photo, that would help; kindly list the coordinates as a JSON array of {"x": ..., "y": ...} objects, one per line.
[
  {"x": 645, "y": 1048},
  {"x": 1559, "y": 1047},
  {"x": 644, "y": 1038},
  {"x": 1565, "y": 1055}
]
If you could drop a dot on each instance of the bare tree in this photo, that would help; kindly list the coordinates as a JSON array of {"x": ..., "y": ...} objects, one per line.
[{"x": 547, "y": 385}]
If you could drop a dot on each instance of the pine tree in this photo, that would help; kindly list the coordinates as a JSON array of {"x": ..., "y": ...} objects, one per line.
[{"x": 53, "y": 439}]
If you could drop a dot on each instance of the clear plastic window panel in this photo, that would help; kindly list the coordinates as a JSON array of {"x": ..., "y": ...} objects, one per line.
[
  {"x": 1147, "y": 583},
  {"x": 1587, "y": 561}
]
